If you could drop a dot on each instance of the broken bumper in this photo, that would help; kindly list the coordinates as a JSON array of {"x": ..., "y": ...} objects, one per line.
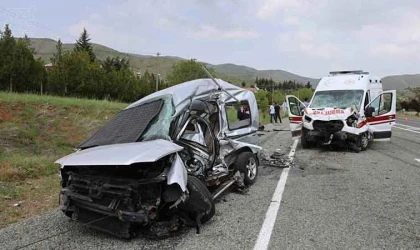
[
  {"x": 328, "y": 137},
  {"x": 73, "y": 202}
]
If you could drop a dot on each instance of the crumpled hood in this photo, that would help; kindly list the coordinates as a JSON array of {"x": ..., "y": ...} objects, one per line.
[
  {"x": 121, "y": 154},
  {"x": 328, "y": 114}
]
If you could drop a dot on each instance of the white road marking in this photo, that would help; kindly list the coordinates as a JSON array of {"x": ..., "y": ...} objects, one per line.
[
  {"x": 407, "y": 126},
  {"x": 417, "y": 132},
  {"x": 271, "y": 215},
  {"x": 417, "y": 159}
]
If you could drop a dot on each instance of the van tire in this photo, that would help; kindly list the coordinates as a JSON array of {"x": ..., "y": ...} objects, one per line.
[
  {"x": 304, "y": 139},
  {"x": 247, "y": 163},
  {"x": 200, "y": 200},
  {"x": 364, "y": 141}
]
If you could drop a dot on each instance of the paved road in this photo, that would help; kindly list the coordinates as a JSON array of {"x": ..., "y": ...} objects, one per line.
[
  {"x": 344, "y": 200},
  {"x": 415, "y": 122},
  {"x": 332, "y": 200},
  {"x": 236, "y": 224}
]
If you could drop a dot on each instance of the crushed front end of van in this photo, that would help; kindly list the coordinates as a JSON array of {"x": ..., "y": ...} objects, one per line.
[
  {"x": 342, "y": 127},
  {"x": 348, "y": 108},
  {"x": 159, "y": 164}
]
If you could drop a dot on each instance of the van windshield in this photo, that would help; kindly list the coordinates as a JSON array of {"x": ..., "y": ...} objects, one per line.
[{"x": 337, "y": 99}]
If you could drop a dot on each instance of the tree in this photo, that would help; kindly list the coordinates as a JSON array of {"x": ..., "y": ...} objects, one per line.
[
  {"x": 115, "y": 63},
  {"x": 262, "y": 100},
  {"x": 415, "y": 102},
  {"x": 278, "y": 97},
  {"x": 7, "y": 49},
  {"x": 308, "y": 85},
  {"x": 58, "y": 56},
  {"x": 83, "y": 44},
  {"x": 187, "y": 70},
  {"x": 303, "y": 93},
  {"x": 19, "y": 71}
]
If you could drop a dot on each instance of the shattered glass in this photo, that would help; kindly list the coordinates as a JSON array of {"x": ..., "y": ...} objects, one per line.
[
  {"x": 127, "y": 126},
  {"x": 337, "y": 99},
  {"x": 159, "y": 128}
]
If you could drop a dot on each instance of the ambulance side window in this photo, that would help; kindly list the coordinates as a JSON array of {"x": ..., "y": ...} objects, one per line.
[{"x": 382, "y": 104}]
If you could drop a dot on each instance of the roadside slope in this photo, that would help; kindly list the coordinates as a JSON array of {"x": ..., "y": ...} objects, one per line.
[{"x": 34, "y": 132}]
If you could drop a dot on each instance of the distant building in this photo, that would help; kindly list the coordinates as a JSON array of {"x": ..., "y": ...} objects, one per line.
[
  {"x": 251, "y": 89},
  {"x": 48, "y": 66}
]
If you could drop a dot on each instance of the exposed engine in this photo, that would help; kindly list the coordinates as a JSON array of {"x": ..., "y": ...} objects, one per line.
[
  {"x": 352, "y": 120},
  {"x": 122, "y": 194},
  {"x": 195, "y": 162}
]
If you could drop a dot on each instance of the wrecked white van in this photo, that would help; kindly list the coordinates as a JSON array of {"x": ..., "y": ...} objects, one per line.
[
  {"x": 348, "y": 108},
  {"x": 160, "y": 163}
]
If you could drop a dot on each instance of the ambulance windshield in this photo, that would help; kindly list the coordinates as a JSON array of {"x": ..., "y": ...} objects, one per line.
[{"x": 337, "y": 99}]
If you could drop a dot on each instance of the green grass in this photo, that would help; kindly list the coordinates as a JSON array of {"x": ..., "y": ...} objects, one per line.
[
  {"x": 264, "y": 117},
  {"x": 12, "y": 98},
  {"x": 35, "y": 131}
]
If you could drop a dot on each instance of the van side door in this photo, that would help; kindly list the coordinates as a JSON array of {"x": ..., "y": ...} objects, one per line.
[
  {"x": 380, "y": 115},
  {"x": 295, "y": 112}
]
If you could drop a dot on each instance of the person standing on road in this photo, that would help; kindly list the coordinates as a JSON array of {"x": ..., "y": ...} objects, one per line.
[
  {"x": 240, "y": 113},
  {"x": 306, "y": 102},
  {"x": 272, "y": 113},
  {"x": 304, "y": 105},
  {"x": 277, "y": 110}
]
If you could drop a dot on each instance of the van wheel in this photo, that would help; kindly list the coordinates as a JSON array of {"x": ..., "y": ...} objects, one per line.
[
  {"x": 247, "y": 163},
  {"x": 199, "y": 205},
  {"x": 304, "y": 139},
  {"x": 364, "y": 141}
]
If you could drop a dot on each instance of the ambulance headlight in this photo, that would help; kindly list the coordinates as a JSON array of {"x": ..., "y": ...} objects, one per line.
[
  {"x": 351, "y": 121},
  {"x": 308, "y": 119}
]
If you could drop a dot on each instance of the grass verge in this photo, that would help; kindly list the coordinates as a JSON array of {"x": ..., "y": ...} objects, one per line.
[{"x": 34, "y": 132}]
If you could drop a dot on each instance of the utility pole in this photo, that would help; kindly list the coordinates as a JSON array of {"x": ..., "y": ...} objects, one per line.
[
  {"x": 158, "y": 74},
  {"x": 272, "y": 90}
]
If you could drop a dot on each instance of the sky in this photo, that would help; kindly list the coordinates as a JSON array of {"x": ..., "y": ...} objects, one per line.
[{"x": 305, "y": 37}]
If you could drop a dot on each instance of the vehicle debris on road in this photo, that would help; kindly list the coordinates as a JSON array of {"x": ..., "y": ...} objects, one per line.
[{"x": 277, "y": 159}]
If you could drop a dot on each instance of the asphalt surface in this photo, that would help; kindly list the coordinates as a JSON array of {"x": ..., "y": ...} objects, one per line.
[
  {"x": 332, "y": 200},
  {"x": 236, "y": 224},
  {"x": 345, "y": 200},
  {"x": 410, "y": 121}
]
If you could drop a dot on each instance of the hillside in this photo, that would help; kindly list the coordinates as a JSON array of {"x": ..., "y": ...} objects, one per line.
[
  {"x": 248, "y": 74},
  {"x": 34, "y": 132},
  {"x": 45, "y": 48},
  {"x": 235, "y": 73},
  {"x": 401, "y": 82}
]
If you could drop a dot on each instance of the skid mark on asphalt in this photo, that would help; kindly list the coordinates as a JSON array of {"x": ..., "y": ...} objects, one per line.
[{"x": 271, "y": 215}]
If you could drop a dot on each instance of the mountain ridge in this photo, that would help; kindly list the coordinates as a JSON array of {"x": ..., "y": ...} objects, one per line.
[{"x": 45, "y": 47}]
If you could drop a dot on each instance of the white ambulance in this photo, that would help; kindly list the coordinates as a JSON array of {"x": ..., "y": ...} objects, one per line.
[{"x": 348, "y": 108}]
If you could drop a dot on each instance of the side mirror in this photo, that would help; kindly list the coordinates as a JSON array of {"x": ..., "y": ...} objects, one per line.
[{"x": 370, "y": 111}]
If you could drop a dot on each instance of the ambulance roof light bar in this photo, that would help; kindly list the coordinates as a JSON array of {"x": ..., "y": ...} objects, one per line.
[{"x": 349, "y": 72}]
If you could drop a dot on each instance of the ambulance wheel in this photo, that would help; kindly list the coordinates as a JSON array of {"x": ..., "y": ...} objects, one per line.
[
  {"x": 304, "y": 139},
  {"x": 364, "y": 141}
]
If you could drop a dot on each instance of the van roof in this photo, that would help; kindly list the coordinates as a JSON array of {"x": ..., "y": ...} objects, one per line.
[{"x": 341, "y": 80}]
